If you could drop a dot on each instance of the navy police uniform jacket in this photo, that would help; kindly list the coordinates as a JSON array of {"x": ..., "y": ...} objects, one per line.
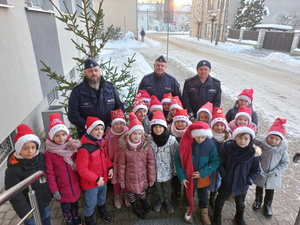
[
  {"x": 160, "y": 85},
  {"x": 84, "y": 102},
  {"x": 195, "y": 94}
]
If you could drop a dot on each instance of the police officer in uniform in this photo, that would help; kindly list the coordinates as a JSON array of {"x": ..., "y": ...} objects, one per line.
[
  {"x": 92, "y": 97},
  {"x": 159, "y": 83},
  {"x": 201, "y": 89}
]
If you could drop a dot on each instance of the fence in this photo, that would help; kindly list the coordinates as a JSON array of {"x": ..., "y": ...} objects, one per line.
[{"x": 250, "y": 35}]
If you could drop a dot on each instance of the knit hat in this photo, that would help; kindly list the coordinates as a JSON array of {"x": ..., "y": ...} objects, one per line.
[
  {"x": 155, "y": 104},
  {"x": 208, "y": 108},
  {"x": 134, "y": 123},
  {"x": 278, "y": 127},
  {"x": 218, "y": 117},
  {"x": 200, "y": 129},
  {"x": 244, "y": 129},
  {"x": 117, "y": 115},
  {"x": 145, "y": 96},
  {"x": 91, "y": 123},
  {"x": 245, "y": 111},
  {"x": 55, "y": 125},
  {"x": 176, "y": 103},
  {"x": 24, "y": 135},
  {"x": 90, "y": 63},
  {"x": 138, "y": 103},
  {"x": 246, "y": 94},
  {"x": 203, "y": 63},
  {"x": 159, "y": 119},
  {"x": 161, "y": 59},
  {"x": 181, "y": 114},
  {"x": 167, "y": 98}
]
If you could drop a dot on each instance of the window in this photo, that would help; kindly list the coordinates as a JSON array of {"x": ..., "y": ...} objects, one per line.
[
  {"x": 51, "y": 96},
  {"x": 142, "y": 18},
  {"x": 209, "y": 5},
  {"x": 34, "y": 3},
  {"x": 3, "y": 2},
  {"x": 219, "y": 4},
  {"x": 6, "y": 147},
  {"x": 207, "y": 30}
]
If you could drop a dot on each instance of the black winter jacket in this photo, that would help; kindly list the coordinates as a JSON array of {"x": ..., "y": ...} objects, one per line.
[{"x": 230, "y": 115}]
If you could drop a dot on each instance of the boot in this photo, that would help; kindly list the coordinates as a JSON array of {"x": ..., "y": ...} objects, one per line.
[
  {"x": 146, "y": 205},
  {"x": 218, "y": 216},
  {"x": 137, "y": 210},
  {"x": 104, "y": 214},
  {"x": 158, "y": 203},
  {"x": 212, "y": 199},
  {"x": 204, "y": 216},
  {"x": 258, "y": 198},
  {"x": 239, "y": 217},
  {"x": 89, "y": 220},
  {"x": 268, "y": 202},
  {"x": 169, "y": 206},
  {"x": 77, "y": 220},
  {"x": 126, "y": 200},
  {"x": 188, "y": 219},
  {"x": 118, "y": 201}
]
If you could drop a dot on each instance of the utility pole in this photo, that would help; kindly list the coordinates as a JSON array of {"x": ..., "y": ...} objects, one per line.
[
  {"x": 147, "y": 20},
  {"x": 213, "y": 18},
  {"x": 220, "y": 23}
]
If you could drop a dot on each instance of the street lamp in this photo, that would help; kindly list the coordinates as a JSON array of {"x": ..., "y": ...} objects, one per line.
[
  {"x": 213, "y": 18},
  {"x": 199, "y": 22}
]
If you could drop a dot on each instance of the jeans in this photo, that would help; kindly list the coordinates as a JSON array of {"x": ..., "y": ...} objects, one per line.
[
  {"x": 45, "y": 217},
  {"x": 90, "y": 199}
]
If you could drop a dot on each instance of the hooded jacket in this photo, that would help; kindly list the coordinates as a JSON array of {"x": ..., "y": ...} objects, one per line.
[{"x": 230, "y": 115}]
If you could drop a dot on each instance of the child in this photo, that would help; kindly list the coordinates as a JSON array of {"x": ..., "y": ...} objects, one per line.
[
  {"x": 274, "y": 160},
  {"x": 155, "y": 106},
  {"x": 239, "y": 168},
  {"x": 112, "y": 137},
  {"x": 136, "y": 169},
  {"x": 245, "y": 99},
  {"x": 196, "y": 159},
  {"x": 166, "y": 103},
  {"x": 175, "y": 104},
  {"x": 95, "y": 168},
  {"x": 204, "y": 114},
  {"x": 23, "y": 162},
  {"x": 61, "y": 170},
  {"x": 140, "y": 110},
  {"x": 242, "y": 118},
  {"x": 220, "y": 132},
  {"x": 145, "y": 97},
  {"x": 164, "y": 147}
]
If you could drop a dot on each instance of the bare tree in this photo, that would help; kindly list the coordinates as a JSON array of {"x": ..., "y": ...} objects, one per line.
[{"x": 290, "y": 20}]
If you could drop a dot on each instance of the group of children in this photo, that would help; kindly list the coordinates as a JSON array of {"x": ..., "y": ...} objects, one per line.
[{"x": 159, "y": 147}]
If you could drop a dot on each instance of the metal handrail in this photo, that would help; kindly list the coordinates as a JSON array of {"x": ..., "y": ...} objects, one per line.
[{"x": 13, "y": 191}]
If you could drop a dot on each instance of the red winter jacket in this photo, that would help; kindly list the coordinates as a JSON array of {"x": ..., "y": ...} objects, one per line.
[{"x": 92, "y": 162}]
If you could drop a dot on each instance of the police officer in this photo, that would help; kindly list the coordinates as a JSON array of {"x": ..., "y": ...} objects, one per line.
[
  {"x": 159, "y": 83},
  {"x": 201, "y": 89},
  {"x": 92, "y": 97}
]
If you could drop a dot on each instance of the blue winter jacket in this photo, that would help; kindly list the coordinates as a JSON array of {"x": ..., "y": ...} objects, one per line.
[
  {"x": 215, "y": 176},
  {"x": 239, "y": 167}
]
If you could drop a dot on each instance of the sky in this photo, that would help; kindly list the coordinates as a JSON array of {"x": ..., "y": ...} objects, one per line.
[{"x": 177, "y": 2}]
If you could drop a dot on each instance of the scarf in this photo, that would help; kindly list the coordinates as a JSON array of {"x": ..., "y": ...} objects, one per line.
[
  {"x": 161, "y": 139},
  {"x": 118, "y": 134},
  {"x": 92, "y": 138},
  {"x": 271, "y": 150},
  {"x": 133, "y": 145},
  {"x": 218, "y": 137},
  {"x": 178, "y": 133}
]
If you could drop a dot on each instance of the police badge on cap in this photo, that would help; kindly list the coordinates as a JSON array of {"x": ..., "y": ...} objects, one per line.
[
  {"x": 161, "y": 59},
  {"x": 90, "y": 63}
]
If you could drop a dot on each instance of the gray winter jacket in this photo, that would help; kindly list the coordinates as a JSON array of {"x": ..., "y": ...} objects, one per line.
[{"x": 274, "y": 160}]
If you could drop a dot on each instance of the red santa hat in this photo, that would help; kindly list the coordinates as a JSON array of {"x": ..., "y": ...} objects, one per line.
[
  {"x": 145, "y": 96},
  {"x": 176, "y": 103},
  {"x": 138, "y": 103},
  {"x": 218, "y": 117},
  {"x": 24, "y": 135},
  {"x": 278, "y": 127},
  {"x": 246, "y": 94},
  {"x": 155, "y": 104},
  {"x": 134, "y": 123},
  {"x": 55, "y": 125},
  {"x": 245, "y": 111},
  {"x": 167, "y": 98},
  {"x": 159, "y": 119},
  {"x": 91, "y": 123},
  {"x": 117, "y": 116},
  {"x": 201, "y": 129},
  {"x": 181, "y": 114},
  {"x": 208, "y": 108},
  {"x": 242, "y": 130}
]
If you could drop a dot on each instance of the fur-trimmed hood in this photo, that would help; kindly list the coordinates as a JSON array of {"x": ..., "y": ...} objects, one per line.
[{"x": 142, "y": 147}]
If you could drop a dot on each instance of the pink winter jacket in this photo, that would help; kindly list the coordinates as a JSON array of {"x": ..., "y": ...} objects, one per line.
[
  {"x": 113, "y": 149},
  {"x": 136, "y": 167},
  {"x": 232, "y": 125}
]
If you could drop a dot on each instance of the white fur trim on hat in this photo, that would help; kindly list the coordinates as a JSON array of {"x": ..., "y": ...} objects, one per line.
[
  {"x": 244, "y": 114},
  {"x": 156, "y": 107},
  {"x": 146, "y": 99},
  {"x": 158, "y": 122},
  {"x": 137, "y": 108},
  {"x": 96, "y": 123},
  {"x": 166, "y": 100},
  {"x": 24, "y": 139},
  {"x": 241, "y": 130},
  {"x": 245, "y": 98},
  {"x": 181, "y": 118},
  {"x": 176, "y": 106},
  {"x": 118, "y": 120},
  {"x": 57, "y": 128},
  {"x": 204, "y": 110},
  {"x": 201, "y": 132},
  {"x": 276, "y": 133},
  {"x": 219, "y": 120},
  {"x": 136, "y": 127}
]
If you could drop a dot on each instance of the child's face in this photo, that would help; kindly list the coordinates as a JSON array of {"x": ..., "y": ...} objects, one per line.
[
  {"x": 204, "y": 117},
  {"x": 28, "y": 150},
  {"x": 243, "y": 102},
  {"x": 219, "y": 128},
  {"x": 243, "y": 140},
  {"x": 166, "y": 106},
  {"x": 141, "y": 114},
  {"x": 119, "y": 126},
  {"x": 200, "y": 139},
  {"x": 155, "y": 111},
  {"x": 158, "y": 129},
  {"x": 274, "y": 140},
  {"x": 97, "y": 132},
  {"x": 60, "y": 137},
  {"x": 147, "y": 104},
  {"x": 136, "y": 136},
  {"x": 242, "y": 121},
  {"x": 173, "y": 111},
  {"x": 180, "y": 124}
]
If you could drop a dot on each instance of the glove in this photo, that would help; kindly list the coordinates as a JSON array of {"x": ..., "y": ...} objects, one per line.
[
  {"x": 122, "y": 186},
  {"x": 29, "y": 217},
  {"x": 296, "y": 157},
  {"x": 56, "y": 195},
  {"x": 151, "y": 184}
]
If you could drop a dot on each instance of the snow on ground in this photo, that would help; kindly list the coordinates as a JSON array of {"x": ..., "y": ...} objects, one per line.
[{"x": 128, "y": 40}]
